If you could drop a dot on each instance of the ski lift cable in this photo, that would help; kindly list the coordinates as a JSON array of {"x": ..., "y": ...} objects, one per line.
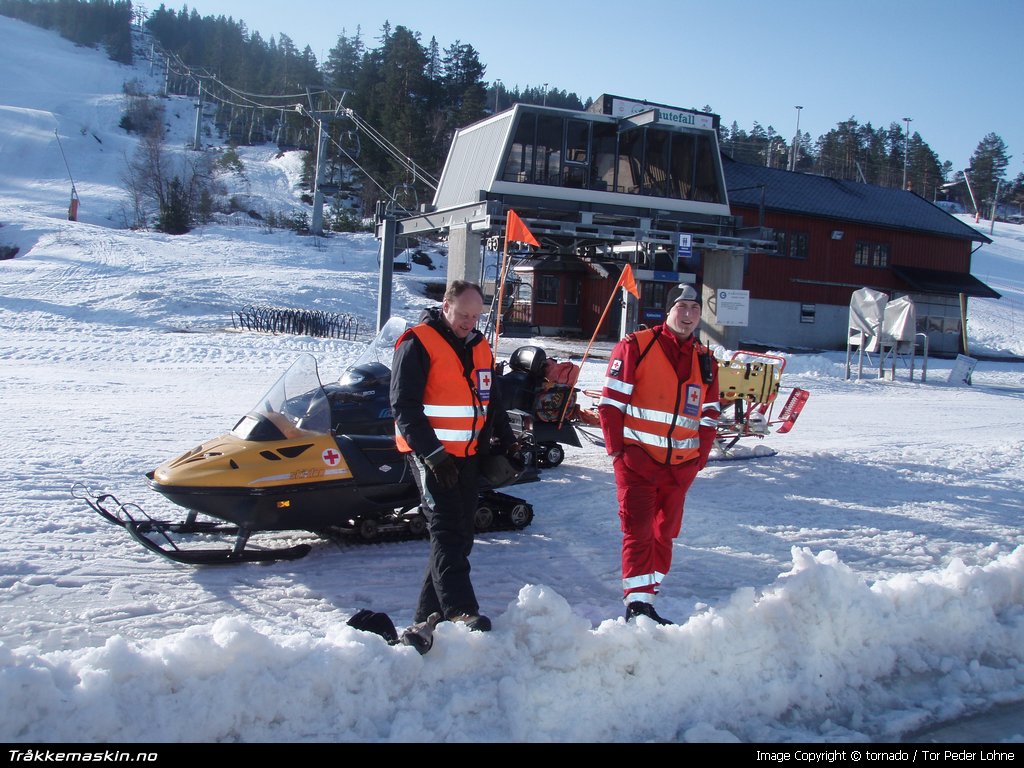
[
  {"x": 382, "y": 141},
  {"x": 61, "y": 148},
  {"x": 407, "y": 162},
  {"x": 357, "y": 165}
]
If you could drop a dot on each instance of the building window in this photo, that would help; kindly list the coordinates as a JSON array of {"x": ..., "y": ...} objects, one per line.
[
  {"x": 583, "y": 154},
  {"x": 547, "y": 289},
  {"x": 807, "y": 312},
  {"x": 798, "y": 245},
  {"x": 869, "y": 254},
  {"x": 792, "y": 245},
  {"x": 653, "y": 294}
]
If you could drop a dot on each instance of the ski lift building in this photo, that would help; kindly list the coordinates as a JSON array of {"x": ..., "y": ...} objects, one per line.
[{"x": 619, "y": 183}]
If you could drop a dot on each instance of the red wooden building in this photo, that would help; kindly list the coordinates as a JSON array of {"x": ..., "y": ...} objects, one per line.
[{"x": 835, "y": 237}]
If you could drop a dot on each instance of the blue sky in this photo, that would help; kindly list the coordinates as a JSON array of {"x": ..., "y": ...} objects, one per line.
[{"x": 953, "y": 67}]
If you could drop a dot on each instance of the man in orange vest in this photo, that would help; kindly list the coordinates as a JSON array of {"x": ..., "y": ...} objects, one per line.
[
  {"x": 440, "y": 392},
  {"x": 659, "y": 410}
]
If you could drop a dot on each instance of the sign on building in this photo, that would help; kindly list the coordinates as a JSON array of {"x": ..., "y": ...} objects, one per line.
[
  {"x": 732, "y": 307},
  {"x": 685, "y": 248}
]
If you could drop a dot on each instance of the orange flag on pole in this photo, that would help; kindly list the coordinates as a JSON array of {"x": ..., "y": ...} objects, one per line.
[
  {"x": 627, "y": 281},
  {"x": 517, "y": 232}
]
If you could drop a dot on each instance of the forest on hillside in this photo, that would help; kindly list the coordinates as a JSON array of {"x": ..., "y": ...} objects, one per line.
[{"x": 415, "y": 94}]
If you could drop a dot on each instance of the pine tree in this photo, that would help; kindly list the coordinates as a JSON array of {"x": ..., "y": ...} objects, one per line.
[
  {"x": 174, "y": 210},
  {"x": 988, "y": 166}
]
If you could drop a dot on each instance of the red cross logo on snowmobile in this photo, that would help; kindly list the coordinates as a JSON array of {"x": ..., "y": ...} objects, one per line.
[{"x": 331, "y": 457}]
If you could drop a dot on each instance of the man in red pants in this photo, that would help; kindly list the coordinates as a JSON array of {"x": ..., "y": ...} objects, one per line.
[{"x": 659, "y": 409}]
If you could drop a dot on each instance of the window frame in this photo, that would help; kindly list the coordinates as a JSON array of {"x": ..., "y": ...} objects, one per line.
[
  {"x": 542, "y": 284},
  {"x": 872, "y": 254}
]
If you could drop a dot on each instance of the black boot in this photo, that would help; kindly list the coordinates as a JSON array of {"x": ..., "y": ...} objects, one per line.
[
  {"x": 637, "y": 608},
  {"x": 474, "y": 622}
]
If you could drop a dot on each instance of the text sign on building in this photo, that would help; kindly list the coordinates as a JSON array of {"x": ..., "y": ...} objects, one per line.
[
  {"x": 732, "y": 307},
  {"x": 685, "y": 249},
  {"x": 624, "y": 107}
]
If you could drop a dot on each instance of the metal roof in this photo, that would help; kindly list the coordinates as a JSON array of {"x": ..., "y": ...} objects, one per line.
[
  {"x": 942, "y": 282},
  {"x": 811, "y": 195}
]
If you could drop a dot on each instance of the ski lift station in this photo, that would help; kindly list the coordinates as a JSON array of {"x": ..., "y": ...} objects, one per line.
[
  {"x": 624, "y": 182},
  {"x": 630, "y": 181}
]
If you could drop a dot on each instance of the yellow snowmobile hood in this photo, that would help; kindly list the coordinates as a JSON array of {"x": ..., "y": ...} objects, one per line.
[{"x": 229, "y": 461}]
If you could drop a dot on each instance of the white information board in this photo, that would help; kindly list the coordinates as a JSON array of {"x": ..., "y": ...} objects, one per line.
[
  {"x": 732, "y": 307},
  {"x": 962, "y": 369}
]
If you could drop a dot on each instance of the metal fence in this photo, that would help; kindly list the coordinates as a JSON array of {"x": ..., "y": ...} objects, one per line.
[{"x": 299, "y": 322}]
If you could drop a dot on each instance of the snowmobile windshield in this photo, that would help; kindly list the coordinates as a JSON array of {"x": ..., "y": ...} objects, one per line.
[
  {"x": 381, "y": 349},
  {"x": 296, "y": 406}
]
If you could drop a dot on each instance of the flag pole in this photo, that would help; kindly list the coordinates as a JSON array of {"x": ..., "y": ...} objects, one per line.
[
  {"x": 586, "y": 352},
  {"x": 502, "y": 273}
]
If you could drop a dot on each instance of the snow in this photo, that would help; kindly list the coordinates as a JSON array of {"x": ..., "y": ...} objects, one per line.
[{"x": 865, "y": 583}]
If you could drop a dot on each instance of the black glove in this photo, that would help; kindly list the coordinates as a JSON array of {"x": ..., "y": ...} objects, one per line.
[{"x": 444, "y": 468}]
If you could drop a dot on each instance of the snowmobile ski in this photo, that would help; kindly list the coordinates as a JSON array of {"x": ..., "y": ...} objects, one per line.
[{"x": 155, "y": 535}]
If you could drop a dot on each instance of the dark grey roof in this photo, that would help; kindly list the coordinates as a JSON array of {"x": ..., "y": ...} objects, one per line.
[
  {"x": 943, "y": 282},
  {"x": 840, "y": 200}
]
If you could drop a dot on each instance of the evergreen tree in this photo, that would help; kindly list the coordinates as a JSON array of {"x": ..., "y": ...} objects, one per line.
[
  {"x": 987, "y": 167},
  {"x": 1015, "y": 193},
  {"x": 398, "y": 96},
  {"x": 463, "y": 84},
  {"x": 174, "y": 210},
  {"x": 341, "y": 70}
]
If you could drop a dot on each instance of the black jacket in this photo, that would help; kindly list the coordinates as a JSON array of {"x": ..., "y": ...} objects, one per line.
[{"x": 409, "y": 370}]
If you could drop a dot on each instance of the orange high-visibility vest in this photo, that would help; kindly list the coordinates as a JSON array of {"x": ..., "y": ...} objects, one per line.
[
  {"x": 663, "y": 413},
  {"x": 455, "y": 406}
]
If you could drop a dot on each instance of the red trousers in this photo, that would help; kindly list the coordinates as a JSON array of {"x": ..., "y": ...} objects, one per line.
[{"x": 651, "y": 497}]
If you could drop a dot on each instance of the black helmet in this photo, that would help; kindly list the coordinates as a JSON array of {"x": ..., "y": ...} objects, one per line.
[{"x": 528, "y": 360}]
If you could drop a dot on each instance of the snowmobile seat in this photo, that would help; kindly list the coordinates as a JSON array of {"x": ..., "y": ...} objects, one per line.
[
  {"x": 516, "y": 391},
  {"x": 368, "y": 455}
]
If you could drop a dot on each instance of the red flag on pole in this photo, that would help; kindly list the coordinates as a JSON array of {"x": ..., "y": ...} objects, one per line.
[
  {"x": 517, "y": 232},
  {"x": 627, "y": 281}
]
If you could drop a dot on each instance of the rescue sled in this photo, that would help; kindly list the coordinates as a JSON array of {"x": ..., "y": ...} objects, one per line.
[
  {"x": 308, "y": 457},
  {"x": 748, "y": 385}
]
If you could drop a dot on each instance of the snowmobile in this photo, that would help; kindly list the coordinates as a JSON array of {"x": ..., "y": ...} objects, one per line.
[
  {"x": 311, "y": 457},
  {"x": 526, "y": 391}
]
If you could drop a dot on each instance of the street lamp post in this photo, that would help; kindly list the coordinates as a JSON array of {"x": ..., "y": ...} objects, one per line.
[
  {"x": 497, "y": 90},
  {"x": 796, "y": 141},
  {"x": 906, "y": 149},
  {"x": 545, "y": 94}
]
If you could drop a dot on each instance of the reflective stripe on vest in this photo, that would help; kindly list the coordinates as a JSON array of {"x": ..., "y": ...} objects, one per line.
[
  {"x": 455, "y": 409},
  {"x": 663, "y": 414}
]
